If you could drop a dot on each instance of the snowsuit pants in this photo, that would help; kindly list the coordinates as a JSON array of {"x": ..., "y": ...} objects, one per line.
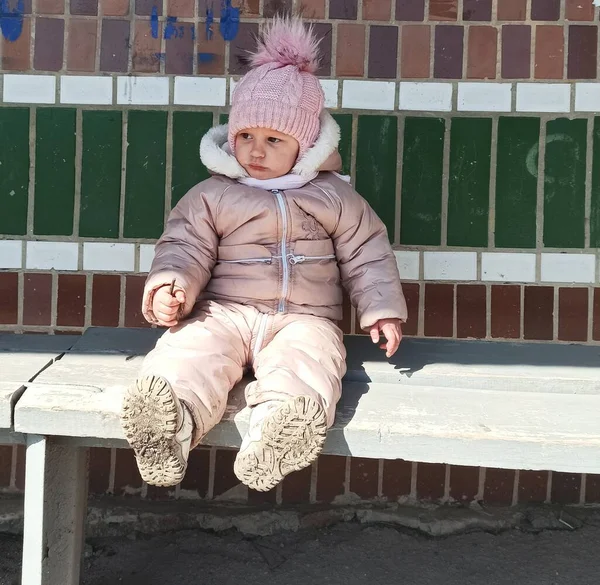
[{"x": 207, "y": 354}]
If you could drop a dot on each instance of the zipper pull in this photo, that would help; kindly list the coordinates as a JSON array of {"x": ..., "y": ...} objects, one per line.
[{"x": 296, "y": 259}]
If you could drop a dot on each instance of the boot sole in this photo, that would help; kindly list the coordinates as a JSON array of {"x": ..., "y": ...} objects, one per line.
[
  {"x": 292, "y": 438},
  {"x": 149, "y": 419}
]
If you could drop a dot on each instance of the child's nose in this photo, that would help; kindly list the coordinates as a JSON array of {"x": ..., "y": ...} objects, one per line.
[{"x": 257, "y": 151}]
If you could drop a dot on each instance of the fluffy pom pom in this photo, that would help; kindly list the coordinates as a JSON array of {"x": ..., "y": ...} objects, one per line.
[{"x": 286, "y": 41}]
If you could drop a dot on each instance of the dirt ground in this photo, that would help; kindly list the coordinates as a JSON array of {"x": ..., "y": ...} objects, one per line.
[{"x": 346, "y": 554}]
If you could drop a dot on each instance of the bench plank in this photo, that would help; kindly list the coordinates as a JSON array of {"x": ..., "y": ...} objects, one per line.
[
  {"x": 460, "y": 402},
  {"x": 22, "y": 358}
]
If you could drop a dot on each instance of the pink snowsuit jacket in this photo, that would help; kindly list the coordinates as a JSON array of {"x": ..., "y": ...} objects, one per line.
[{"x": 279, "y": 250}]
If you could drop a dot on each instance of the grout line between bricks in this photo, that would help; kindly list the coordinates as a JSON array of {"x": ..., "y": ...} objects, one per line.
[
  {"x": 413, "y": 480},
  {"x": 481, "y": 484},
  {"x": 549, "y": 488},
  {"x": 516, "y": 483}
]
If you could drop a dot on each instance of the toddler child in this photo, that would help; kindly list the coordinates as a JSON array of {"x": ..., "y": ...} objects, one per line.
[{"x": 248, "y": 275}]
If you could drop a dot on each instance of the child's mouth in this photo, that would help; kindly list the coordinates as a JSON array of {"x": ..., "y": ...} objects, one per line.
[{"x": 257, "y": 167}]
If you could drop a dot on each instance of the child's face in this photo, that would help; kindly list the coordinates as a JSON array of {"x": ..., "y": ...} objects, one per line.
[{"x": 266, "y": 153}]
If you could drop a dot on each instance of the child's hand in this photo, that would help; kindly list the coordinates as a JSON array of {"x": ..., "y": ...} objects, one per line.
[
  {"x": 166, "y": 306},
  {"x": 392, "y": 330}
]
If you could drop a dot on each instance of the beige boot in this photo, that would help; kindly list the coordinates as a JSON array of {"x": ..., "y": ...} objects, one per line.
[
  {"x": 159, "y": 428},
  {"x": 283, "y": 436}
]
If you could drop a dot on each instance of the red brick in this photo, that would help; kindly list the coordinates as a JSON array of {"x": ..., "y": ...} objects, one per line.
[
  {"x": 506, "y": 311},
  {"x": 71, "y": 300},
  {"x": 464, "y": 483},
  {"x": 533, "y": 486},
  {"x": 211, "y": 54},
  {"x": 448, "y": 58},
  {"x": 416, "y": 51},
  {"x": 499, "y": 486},
  {"x": 6, "y": 453},
  {"x": 225, "y": 479},
  {"x": 377, "y": 9},
  {"x": 196, "y": 477},
  {"x": 411, "y": 293},
  {"x": 99, "y": 474},
  {"x": 431, "y": 479},
  {"x": 115, "y": 7},
  {"x": 483, "y": 45},
  {"x": 313, "y": 8},
  {"x": 397, "y": 476},
  {"x": 106, "y": 300},
  {"x": 258, "y": 498},
  {"x": 579, "y": 10},
  {"x": 596, "y": 313},
  {"x": 364, "y": 477},
  {"x": 592, "y": 489},
  {"x": 512, "y": 9},
  {"x": 81, "y": 53},
  {"x": 331, "y": 477},
  {"x": 146, "y": 48},
  {"x": 181, "y": 8},
  {"x": 296, "y": 487},
  {"x": 471, "y": 311},
  {"x": 443, "y": 9},
  {"x": 439, "y": 310},
  {"x": 566, "y": 488},
  {"x": 516, "y": 51},
  {"x": 20, "y": 468},
  {"x": 37, "y": 299},
  {"x": 350, "y": 50},
  {"x": 50, "y": 6},
  {"x": 127, "y": 475},
  {"x": 16, "y": 55},
  {"x": 549, "y": 52},
  {"x": 573, "y": 314},
  {"x": 539, "y": 313},
  {"x": 9, "y": 298},
  {"x": 410, "y": 10},
  {"x": 134, "y": 289}
]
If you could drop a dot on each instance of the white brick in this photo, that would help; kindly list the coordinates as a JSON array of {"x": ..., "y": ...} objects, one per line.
[
  {"x": 484, "y": 97},
  {"x": 29, "y": 89},
  {"x": 200, "y": 91},
  {"x": 144, "y": 91},
  {"x": 508, "y": 267},
  {"x": 86, "y": 89},
  {"x": 369, "y": 95},
  {"x": 52, "y": 255},
  {"x": 330, "y": 89},
  {"x": 11, "y": 253},
  {"x": 408, "y": 264},
  {"x": 587, "y": 97},
  {"x": 108, "y": 257},
  {"x": 543, "y": 97},
  {"x": 568, "y": 268},
  {"x": 232, "y": 84},
  {"x": 450, "y": 265},
  {"x": 425, "y": 96},
  {"x": 146, "y": 257}
]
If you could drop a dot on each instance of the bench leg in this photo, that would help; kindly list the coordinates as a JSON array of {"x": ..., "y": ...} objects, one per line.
[{"x": 55, "y": 512}]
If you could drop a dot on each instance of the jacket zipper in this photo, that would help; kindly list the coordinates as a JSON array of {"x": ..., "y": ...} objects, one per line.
[
  {"x": 260, "y": 336},
  {"x": 286, "y": 270},
  {"x": 292, "y": 259}
]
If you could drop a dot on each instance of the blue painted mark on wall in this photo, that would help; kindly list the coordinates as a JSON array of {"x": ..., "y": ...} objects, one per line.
[
  {"x": 230, "y": 21},
  {"x": 229, "y": 26},
  {"x": 202, "y": 57},
  {"x": 11, "y": 20}
]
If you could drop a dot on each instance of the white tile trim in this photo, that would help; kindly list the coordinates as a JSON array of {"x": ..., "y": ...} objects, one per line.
[
  {"x": 143, "y": 91},
  {"x": 29, "y": 89},
  {"x": 108, "y": 257},
  {"x": 200, "y": 91},
  {"x": 86, "y": 89},
  {"x": 52, "y": 255},
  {"x": 368, "y": 95},
  {"x": 508, "y": 267},
  {"x": 408, "y": 264},
  {"x": 568, "y": 268},
  {"x": 11, "y": 254},
  {"x": 429, "y": 96},
  {"x": 146, "y": 257},
  {"x": 330, "y": 89},
  {"x": 544, "y": 97},
  {"x": 484, "y": 97},
  {"x": 587, "y": 97},
  {"x": 459, "y": 266}
]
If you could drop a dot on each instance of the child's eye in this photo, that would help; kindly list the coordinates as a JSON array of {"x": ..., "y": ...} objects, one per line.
[
  {"x": 245, "y": 136},
  {"x": 274, "y": 140}
]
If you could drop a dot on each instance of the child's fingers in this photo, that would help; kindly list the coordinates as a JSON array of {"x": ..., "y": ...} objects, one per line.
[
  {"x": 180, "y": 297},
  {"x": 170, "y": 308},
  {"x": 374, "y": 332}
]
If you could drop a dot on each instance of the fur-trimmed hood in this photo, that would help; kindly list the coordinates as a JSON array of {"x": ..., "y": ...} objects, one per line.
[{"x": 217, "y": 157}]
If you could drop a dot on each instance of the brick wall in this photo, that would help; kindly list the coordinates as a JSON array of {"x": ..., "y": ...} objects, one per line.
[{"x": 468, "y": 125}]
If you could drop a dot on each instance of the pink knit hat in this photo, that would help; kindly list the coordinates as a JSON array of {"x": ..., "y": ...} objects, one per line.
[{"x": 281, "y": 91}]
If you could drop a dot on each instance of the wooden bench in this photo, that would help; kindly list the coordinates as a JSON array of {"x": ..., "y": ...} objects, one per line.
[{"x": 491, "y": 404}]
